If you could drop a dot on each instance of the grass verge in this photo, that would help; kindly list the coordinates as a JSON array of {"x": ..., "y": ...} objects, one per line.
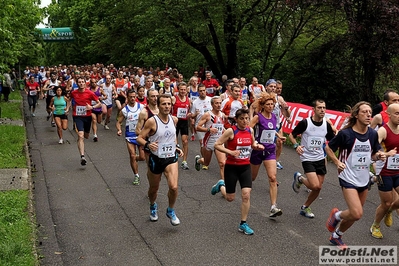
[
  {"x": 17, "y": 233},
  {"x": 12, "y": 142},
  {"x": 16, "y": 229}
]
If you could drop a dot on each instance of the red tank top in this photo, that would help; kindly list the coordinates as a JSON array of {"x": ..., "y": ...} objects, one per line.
[
  {"x": 391, "y": 166},
  {"x": 242, "y": 141},
  {"x": 180, "y": 109}
]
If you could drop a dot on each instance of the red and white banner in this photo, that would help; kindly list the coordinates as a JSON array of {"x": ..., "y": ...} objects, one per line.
[{"x": 301, "y": 111}]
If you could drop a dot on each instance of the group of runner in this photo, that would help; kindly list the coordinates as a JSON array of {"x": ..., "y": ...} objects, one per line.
[{"x": 241, "y": 125}]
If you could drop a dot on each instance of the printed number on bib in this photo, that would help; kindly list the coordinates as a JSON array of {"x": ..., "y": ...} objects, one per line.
[
  {"x": 245, "y": 152},
  {"x": 80, "y": 110},
  {"x": 51, "y": 92},
  {"x": 132, "y": 122},
  {"x": 393, "y": 162},
  {"x": 33, "y": 93},
  {"x": 209, "y": 90},
  {"x": 166, "y": 150},
  {"x": 315, "y": 143},
  {"x": 360, "y": 161},
  {"x": 181, "y": 113},
  {"x": 267, "y": 136}
]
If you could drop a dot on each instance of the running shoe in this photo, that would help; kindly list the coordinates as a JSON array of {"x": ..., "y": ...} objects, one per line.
[
  {"x": 296, "y": 184},
  {"x": 279, "y": 165},
  {"x": 33, "y": 114},
  {"x": 48, "y": 117},
  {"x": 95, "y": 139},
  {"x": 53, "y": 124},
  {"x": 61, "y": 141},
  {"x": 216, "y": 187},
  {"x": 154, "y": 212},
  {"x": 204, "y": 167},
  {"x": 83, "y": 161},
  {"x": 184, "y": 165},
  {"x": 106, "y": 127},
  {"x": 274, "y": 212},
  {"x": 192, "y": 137},
  {"x": 375, "y": 231},
  {"x": 244, "y": 228},
  {"x": 172, "y": 216},
  {"x": 388, "y": 219},
  {"x": 197, "y": 164},
  {"x": 338, "y": 242},
  {"x": 136, "y": 180},
  {"x": 332, "y": 222},
  {"x": 307, "y": 212}
]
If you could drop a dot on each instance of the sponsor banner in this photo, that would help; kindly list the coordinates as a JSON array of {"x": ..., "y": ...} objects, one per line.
[
  {"x": 301, "y": 111},
  {"x": 380, "y": 255}
]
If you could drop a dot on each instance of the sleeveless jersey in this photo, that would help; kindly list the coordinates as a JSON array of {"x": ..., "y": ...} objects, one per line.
[
  {"x": 265, "y": 131},
  {"x": 242, "y": 141},
  {"x": 59, "y": 104},
  {"x": 108, "y": 92},
  {"x": 180, "y": 108},
  {"x": 313, "y": 140},
  {"x": 391, "y": 166},
  {"x": 132, "y": 117},
  {"x": 119, "y": 85},
  {"x": 97, "y": 92},
  {"x": 142, "y": 101},
  {"x": 51, "y": 92},
  {"x": 216, "y": 121},
  {"x": 230, "y": 106},
  {"x": 277, "y": 111},
  {"x": 194, "y": 95},
  {"x": 165, "y": 135}
]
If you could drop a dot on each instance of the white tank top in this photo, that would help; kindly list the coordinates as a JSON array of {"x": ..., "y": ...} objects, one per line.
[
  {"x": 165, "y": 135},
  {"x": 108, "y": 91},
  {"x": 313, "y": 139}
]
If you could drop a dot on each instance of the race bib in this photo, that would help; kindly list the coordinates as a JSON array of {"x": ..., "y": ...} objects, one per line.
[
  {"x": 181, "y": 112},
  {"x": 267, "y": 136},
  {"x": 51, "y": 92},
  {"x": 193, "y": 98},
  {"x": 219, "y": 127},
  {"x": 118, "y": 90},
  {"x": 393, "y": 162},
  {"x": 132, "y": 122},
  {"x": 209, "y": 90},
  {"x": 80, "y": 110},
  {"x": 245, "y": 152},
  {"x": 166, "y": 150},
  {"x": 360, "y": 161},
  {"x": 33, "y": 93},
  {"x": 315, "y": 143}
]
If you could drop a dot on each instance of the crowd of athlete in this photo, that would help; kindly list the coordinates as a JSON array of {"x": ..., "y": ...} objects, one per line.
[{"x": 240, "y": 124}]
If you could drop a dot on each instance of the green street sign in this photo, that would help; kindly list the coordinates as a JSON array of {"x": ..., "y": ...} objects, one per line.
[{"x": 57, "y": 34}]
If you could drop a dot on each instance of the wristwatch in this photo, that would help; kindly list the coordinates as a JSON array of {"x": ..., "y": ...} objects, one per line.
[{"x": 296, "y": 145}]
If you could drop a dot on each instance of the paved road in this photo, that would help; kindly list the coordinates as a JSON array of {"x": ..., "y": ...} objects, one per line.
[{"x": 93, "y": 215}]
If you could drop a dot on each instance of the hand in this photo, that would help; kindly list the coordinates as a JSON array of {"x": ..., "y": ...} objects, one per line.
[
  {"x": 340, "y": 166},
  {"x": 235, "y": 153},
  {"x": 299, "y": 150},
  {"x": 153, "y": 146},
  {"x": 180, "y": 152},
  {"x": 119, "y": 133},
  {"x": 283, "y": 139},
  {"x": 213, "y": 130},
  {"x": 391, "y": 152}
]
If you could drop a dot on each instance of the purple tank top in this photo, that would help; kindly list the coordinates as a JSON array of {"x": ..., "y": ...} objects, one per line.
[{"x": 265, "y": 131}]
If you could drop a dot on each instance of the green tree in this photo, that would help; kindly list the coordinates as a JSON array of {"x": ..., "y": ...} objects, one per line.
[{"x": 18, "y": 19}]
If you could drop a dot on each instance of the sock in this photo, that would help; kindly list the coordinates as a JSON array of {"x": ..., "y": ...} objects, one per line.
[
  {"x": 303, "y": 207},
  {"x": 273, "y": 206},
  {"x": 376, "y": 224},
  {"x": 337, "y": 233},
  {"x": 81, "y": 156},
  {"x": 338, "y": 215},
  {"x": 242, "y": 222},
  {"x": 136, "y": 175},
  {"x": 95, "y": 135}
]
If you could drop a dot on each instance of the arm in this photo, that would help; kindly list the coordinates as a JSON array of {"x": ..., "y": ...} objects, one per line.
[
  {"x": 149, "y": 127},
  {"x": 254, "y": 121},
  {"x": 119, "y": 124},
  {"x": 201, "y": 124},
  {"x": 219, "y": 144},
  {"x": 340, "y": 166},
  {"x": 255, "y": 145},
  {"x": 143, "y": 116},
  {"x": 376, "y": 121}
]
